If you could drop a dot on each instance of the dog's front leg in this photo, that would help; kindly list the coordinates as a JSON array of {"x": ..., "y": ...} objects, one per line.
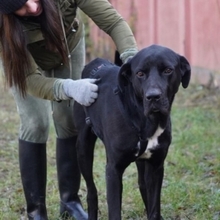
[
  {"x": 114, "y": 190},
  {"x": 150, "y": 179},
  {"x": 153, "y": 175},
  {"x": 141, "y": 180}
]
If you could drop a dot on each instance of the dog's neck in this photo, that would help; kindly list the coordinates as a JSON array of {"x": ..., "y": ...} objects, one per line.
[
  {"x": 151, "y": 123},
  {"x": 144, "y": 126}
]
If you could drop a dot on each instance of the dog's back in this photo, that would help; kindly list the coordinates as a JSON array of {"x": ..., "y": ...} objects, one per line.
[
  {"x": 106, "y": 104},
  {"x": 99, "y": 68}
]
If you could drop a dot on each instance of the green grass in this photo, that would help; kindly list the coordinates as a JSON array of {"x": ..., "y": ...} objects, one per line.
[{"x": 191, "y": 187}]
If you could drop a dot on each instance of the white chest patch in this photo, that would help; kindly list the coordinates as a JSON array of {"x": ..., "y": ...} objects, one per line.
[{"x": 152, "y": 143}]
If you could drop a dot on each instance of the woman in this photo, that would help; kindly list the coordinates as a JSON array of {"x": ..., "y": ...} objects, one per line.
[{"x": 43, "y": 54}]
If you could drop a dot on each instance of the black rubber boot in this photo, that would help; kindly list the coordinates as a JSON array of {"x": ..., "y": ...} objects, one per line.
[
  {"x": 33, "y": 169},
  {"x": 69, "y": 179}
]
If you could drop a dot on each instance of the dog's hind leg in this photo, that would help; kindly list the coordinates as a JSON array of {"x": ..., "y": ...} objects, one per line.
[
  {"x": 85, "y": 147},
  {"x": 150, "y": 177}
]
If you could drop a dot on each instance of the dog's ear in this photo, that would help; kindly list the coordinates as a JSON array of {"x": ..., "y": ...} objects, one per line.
[
  {"x": 117, "y": 60},
  {"x": 124, "y": 74},
  {"x": 185, "y": 71}
]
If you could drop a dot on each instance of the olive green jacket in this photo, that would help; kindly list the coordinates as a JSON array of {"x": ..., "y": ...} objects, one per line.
[{"x": 100, "y": 11}]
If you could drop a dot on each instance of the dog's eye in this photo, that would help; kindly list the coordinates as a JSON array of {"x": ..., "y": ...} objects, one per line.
[
  {"x": 168, "y": 71},
  {"x": 140, "y": 74}
]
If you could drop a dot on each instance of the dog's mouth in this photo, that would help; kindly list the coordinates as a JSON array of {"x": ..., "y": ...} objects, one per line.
[
  {"x": 156, "y": 107},
  {"x": 153, "y": 110}
]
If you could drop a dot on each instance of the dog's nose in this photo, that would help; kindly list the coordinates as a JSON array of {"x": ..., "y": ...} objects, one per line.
[{"x": 153, "y": 95}]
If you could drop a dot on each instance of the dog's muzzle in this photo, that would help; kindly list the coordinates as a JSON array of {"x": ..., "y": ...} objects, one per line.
[{"x": 155, "y": 102}]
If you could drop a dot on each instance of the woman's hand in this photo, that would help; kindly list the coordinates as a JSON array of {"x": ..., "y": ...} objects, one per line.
[{"x": 83, "y": 91}]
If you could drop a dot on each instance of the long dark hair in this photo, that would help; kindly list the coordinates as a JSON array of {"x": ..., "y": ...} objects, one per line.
[{"x": 15, "y": 56}]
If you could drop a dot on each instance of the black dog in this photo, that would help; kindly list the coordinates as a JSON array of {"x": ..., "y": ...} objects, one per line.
[{"x": 132, "y": 118}]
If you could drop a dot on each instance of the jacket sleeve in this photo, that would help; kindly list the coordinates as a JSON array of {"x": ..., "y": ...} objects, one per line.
[
  {"x": 38, "y": 85},
  {"x": 110, "y": 21}
]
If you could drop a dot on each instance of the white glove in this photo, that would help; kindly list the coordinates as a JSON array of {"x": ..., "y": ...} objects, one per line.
[
  {"x": 127, "y": 59},
  {"x": 128, "y": 54},
  {"x": 84, "y": 91}
]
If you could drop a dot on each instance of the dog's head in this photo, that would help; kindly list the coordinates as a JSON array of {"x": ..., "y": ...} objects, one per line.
[{"x": 155, "y": 74}]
